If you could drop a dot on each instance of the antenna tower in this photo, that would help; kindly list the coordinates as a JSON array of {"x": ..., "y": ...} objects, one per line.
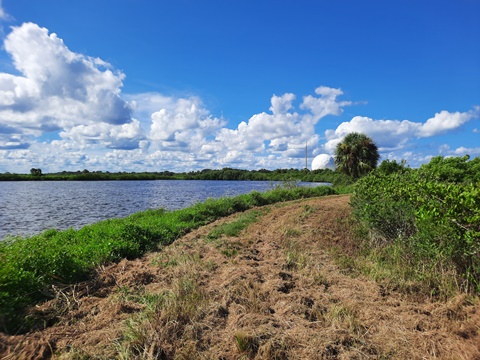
[{"x": 306, "y": 155}]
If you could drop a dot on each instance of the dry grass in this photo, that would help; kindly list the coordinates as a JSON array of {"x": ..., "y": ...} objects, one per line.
[{"x": 283, "y": 294}]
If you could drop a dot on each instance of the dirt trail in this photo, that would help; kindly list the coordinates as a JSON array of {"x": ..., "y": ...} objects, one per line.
[{"x": 273, "y": 292}]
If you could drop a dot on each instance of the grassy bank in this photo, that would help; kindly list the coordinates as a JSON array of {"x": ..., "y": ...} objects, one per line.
[{"x": 31, "y": 267}]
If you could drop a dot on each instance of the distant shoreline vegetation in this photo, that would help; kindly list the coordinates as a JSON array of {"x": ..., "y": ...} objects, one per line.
[{"x": 206, "y": 174}]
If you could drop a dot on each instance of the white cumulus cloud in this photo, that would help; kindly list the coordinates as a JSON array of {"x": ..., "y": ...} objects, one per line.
[
  {"x": 183, "y": 119},
  {"x": 445, "y": 121},
  {"x": 57, "y": 89},
  {"x": 124, "y": 136},
  {"x": 285, "y": 130},
  {"x": 395, "y": 134},
  {"x": 460, "y": 151}
]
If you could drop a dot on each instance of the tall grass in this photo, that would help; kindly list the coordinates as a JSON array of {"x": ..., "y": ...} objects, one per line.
[{"x": 30, "y": 266}]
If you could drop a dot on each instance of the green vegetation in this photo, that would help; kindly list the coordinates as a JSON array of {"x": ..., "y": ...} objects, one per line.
[
  {"x": 356, "y": 155},
  {"x": 31, "y": 267},
  {"x": 35, "y": 172},
  {"x": 218, "y": 236},
  {"x": 235, "y": 227},
  {"x": 423, "y": 224},
  {"x": 206, "y": 174}
]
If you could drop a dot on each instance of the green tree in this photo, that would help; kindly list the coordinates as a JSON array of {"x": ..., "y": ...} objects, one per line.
[
  {"x": 36, "y": 172},
  {"x": 356, "y": 155},
  {"x": 388, "y": 167}
]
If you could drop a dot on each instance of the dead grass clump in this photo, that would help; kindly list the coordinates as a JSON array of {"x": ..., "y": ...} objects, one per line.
[
  {"x": 277, "y": 348},
  {"x": 341, "y": 316},
  {"x": 168, "y": 322},
  {"x": 249, "y": 295},
  {"x": 265, "y": 342},
  {"x": 170, "y": 319}
]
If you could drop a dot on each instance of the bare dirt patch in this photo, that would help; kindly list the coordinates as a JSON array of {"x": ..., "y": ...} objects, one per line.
[{"x": 273, "y": 292}]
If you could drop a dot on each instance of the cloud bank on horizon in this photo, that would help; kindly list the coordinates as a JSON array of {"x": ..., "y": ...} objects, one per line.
[{"x": 61, "y": 110}]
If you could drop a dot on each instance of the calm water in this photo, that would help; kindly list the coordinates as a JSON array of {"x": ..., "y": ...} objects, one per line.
[{"x": 30, "y": 207}]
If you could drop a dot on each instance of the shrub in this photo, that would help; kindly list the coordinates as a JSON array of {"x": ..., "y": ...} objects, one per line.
[{"x": 434, "y": 211}]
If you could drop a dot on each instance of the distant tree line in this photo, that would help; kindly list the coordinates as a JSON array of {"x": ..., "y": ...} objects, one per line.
[{"x": 205, "y": 174}]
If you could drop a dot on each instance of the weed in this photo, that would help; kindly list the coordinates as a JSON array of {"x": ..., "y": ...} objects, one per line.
[
  {"x": 346, "y": 263},
  {"x": 321, "y": 280},
  {"x": 340, "y": 315},
  {"x": 230, "y": 252},
  {"x": 397, "y": 267},
  {"x": 295, "y": 253},
  {"x": 74, "y": 353},
  {"x": 246, "y": 343},
  {"x": 291, "y": 233},
  {"x": 307, "y": 211},
  {"x": 164, "y": 260},
  {"x": 139, "y": 341},
  {"x": 211, "y": 265},
  {"x": 294, "y": 260}
]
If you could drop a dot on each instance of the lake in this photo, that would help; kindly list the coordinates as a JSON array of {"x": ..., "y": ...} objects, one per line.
[{"x": 29, "y": 207}]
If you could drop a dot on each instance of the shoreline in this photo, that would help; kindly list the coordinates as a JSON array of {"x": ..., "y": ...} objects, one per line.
[{"x": 32, "y": 265}]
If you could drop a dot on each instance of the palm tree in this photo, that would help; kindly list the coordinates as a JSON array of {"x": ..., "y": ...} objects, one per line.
[{"x": 356, "y": 155}]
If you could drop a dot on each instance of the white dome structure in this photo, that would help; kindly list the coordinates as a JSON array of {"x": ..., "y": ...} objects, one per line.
[{"x": 322, "y": 162}]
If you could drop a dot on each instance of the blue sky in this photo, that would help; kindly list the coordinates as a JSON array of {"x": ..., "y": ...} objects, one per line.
[{"x": 137, "y": 85}]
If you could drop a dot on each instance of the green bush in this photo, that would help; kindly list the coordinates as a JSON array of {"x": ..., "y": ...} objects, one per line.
[
  {"x": 382, "y": 203},
  {"x": 452, "y": 170},
  {"x": 432, "y": 213}
]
